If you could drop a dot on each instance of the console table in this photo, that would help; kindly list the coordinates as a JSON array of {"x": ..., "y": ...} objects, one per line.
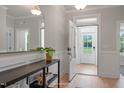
[{"x": 11, "y": 76}]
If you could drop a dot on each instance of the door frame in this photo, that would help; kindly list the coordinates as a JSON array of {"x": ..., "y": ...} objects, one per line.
[
  {"x": 118, "y": 43},
  {"x": 96, "y": 41},
  {"x": 72, "y": 60},
  {"x": 98, "y": 16}
]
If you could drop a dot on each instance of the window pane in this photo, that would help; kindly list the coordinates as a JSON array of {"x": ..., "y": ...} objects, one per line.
[
  {"x": 87, "y": 43},
  {"x": 85, "y": 40},
  {"x": 42, "y": 25},
  {"x": 122, "y": 38},
  {"x": 122, "y": 41},
  {"x": 42, "y": 37}
]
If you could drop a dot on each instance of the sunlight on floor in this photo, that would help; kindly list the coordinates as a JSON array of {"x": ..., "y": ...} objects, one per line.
[{"x": 86, "y": 69}]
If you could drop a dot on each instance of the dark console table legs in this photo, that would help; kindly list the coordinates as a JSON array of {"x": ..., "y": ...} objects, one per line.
[
  {"x": 9, "y": 77},
  {"x": 44, "y": 78},
  {"x": 58, "y": 73}
]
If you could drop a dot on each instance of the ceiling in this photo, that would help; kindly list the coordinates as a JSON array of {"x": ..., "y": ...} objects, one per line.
[
  {"x": 88, "y": 7},
  {"x": 24, "y": 10},
  {"x": 18, "y": 10}
]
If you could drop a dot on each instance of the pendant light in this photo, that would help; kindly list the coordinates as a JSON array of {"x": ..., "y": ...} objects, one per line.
[
  {"x": 80, "y": 7},
  {"x": 36, "y": 10}
]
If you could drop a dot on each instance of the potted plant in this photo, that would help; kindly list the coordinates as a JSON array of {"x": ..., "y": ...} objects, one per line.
[{"x": 49, "y": 53}]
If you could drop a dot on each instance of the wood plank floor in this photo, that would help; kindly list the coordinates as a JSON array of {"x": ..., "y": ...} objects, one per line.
[
  {"x": 85, "y": 81},
  {"x": 90, "y": 69},
  {"x": 90, "y": 81}
]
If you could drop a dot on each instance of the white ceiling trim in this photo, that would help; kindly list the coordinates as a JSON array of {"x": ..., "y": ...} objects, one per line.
[
  {"x": 3, "y": 7},
  {"x": 23, "y": 17},
  {"x": 10, "y": 17},
  {"x": 32, "y": 16},
  {"x": 103, "y": 7}
]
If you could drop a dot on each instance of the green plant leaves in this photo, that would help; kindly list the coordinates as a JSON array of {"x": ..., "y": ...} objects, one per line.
[{"x": 48, "y": 50}]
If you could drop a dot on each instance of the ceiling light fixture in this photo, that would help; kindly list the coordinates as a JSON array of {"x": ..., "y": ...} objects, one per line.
[
  {"x": 36, "y": 10},
  {"x": 80, "y": 6}
]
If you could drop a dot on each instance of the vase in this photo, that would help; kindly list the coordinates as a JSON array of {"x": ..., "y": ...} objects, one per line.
[{"x": 48, "y": 58}]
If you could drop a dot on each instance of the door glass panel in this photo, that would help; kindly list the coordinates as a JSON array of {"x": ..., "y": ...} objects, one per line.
[{"x": 87, "y": 44}]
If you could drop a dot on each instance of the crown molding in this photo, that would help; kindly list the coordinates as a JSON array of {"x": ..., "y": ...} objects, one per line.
[
  {"x": 4, "y": 7},
  {"x": 9, "y": 16},
  {"x": 78, "y": 11},
  {"x": 23, "y": 17}
]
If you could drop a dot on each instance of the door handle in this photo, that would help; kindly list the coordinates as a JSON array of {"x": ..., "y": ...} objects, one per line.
[{"x": 69, "y": 51}]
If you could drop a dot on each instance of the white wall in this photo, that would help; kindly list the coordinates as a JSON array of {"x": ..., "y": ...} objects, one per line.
[
  {"x": 3, "y": 46},
  {"x": 108, "y": 59},
  {"x": 9, "y": 21},
  {"x": 55, "y": 35}
]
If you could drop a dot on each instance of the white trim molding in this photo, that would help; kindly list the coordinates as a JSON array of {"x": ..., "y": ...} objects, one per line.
[
  {"x": 3, "y": 7},
  {"x": 32, "y": 16},
  {"x": 111, "y": 70},
  {"x": 90, "y": 9},
  {"x": 98, "y": 16},
  {"x": 120, "y": 57}
]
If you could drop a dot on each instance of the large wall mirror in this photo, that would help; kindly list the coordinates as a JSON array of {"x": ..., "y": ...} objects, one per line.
[{"x": 20, "y": 30}]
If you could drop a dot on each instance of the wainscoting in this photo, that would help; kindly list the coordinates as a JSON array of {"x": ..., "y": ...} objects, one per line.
[
  {"x": 62, "y": 55},
  {"x": 109, "y": 64}
]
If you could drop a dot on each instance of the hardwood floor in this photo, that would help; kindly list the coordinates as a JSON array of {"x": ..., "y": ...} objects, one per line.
[
  {"x": 85, "y": 81},
  {"x": 64, "y": 81},
  {"x": 86, "y": 69},
  {"x": 90, "y": 81}
]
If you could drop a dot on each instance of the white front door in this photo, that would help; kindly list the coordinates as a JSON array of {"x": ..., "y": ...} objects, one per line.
[
  {"x": 88, "y": 44},
  {"x": 72, "y": 50}
]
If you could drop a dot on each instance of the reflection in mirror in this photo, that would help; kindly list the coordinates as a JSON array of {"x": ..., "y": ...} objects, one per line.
[
  {"x": 20, "y": 29},
  {"x": 22, "y": 39}
]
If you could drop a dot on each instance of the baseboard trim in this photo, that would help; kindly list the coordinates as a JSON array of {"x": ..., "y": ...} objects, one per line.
[{"x": 109, "y": 76}]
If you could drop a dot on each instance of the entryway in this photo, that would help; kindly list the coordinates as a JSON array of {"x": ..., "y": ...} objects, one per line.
[
  {"x": 87, "y": 49},
  {"x": 83, "y": 47}
]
